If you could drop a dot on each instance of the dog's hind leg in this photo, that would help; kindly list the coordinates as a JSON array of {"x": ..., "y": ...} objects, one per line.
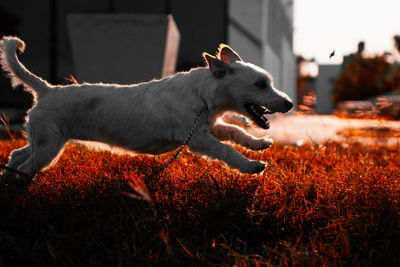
[
  {"x": 45, "y": 146},
  {"x": 207, "y": 144},
  {"x": 227, "y": 132},
  {"x": 17, "y": 157}
]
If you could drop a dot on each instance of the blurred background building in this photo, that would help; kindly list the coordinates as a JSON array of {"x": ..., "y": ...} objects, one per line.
[{"x": 261, "y": 31}]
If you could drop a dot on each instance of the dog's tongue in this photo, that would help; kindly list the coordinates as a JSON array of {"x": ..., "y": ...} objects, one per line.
[{"x": 266, "y": 122}]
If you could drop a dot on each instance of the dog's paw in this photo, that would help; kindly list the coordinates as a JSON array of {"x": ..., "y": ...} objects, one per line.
[
  {"x": 255, "y": 166},
  {"x": 262, "y": 143}
]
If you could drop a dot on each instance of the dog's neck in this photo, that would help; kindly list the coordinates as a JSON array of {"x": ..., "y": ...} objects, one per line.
[{"x": 205, "y": 86}]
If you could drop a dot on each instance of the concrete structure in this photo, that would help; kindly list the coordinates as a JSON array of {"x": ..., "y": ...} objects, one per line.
[
  {"x": 123, "y": 48},
  {"x": 324, "y": 87},
  {"x": 261, "y": 31}
]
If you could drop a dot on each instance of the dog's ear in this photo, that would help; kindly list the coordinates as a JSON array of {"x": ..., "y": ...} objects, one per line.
[
  {"x": 218, "y": 67},
  {"x": 225, "y": 53}
]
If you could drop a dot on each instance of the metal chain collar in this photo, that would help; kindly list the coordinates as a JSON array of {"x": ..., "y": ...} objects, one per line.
[{"x": 196, "y": 121}]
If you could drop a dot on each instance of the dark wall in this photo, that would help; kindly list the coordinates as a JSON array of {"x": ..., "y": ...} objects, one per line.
[
  {"x": 31, "y": 23},
  {"x": 202, "y": 25}
]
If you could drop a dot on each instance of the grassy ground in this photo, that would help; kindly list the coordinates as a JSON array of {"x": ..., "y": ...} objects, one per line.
[{"x": 328, "y": 205}]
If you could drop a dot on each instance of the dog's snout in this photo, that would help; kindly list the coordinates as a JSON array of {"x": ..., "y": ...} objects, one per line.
[{"x": 288, "y": 105}]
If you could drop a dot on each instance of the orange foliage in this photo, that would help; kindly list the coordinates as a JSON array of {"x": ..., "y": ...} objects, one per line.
[{"x": 366, "y": 77}]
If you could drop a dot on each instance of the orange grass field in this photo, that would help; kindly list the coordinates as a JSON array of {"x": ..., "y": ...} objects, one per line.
[{"x": 314, "y": 205}]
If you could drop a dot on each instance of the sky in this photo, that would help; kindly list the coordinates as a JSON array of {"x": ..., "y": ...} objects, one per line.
[{"x": 321, "y": 26}]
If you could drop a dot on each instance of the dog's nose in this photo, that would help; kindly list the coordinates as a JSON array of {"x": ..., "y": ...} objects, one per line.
[{"x": 288, "y": 105}]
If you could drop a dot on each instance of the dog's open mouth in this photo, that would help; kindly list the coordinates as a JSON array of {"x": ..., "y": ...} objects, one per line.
[{"x": 258, "y": 113}]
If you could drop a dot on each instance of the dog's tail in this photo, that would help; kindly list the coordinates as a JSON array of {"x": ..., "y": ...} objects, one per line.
[{"x": 17, "y": 72}]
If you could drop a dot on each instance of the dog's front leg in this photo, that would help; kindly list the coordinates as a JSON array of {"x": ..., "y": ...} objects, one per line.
[
  {"x": 207, "y": 144},
  {"x": 228, "y": 132}
]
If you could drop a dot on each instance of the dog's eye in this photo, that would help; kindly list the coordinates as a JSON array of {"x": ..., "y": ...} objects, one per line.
[{"x": 261, "y": 84}]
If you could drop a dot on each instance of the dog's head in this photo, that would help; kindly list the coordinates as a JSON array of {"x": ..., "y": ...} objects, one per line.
[{"x": 246, "y": 88}]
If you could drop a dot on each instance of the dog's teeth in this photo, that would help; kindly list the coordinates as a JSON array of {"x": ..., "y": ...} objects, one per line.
[
  {"x": 260, "y": 111},
  {"x": 268, "y": 111}
]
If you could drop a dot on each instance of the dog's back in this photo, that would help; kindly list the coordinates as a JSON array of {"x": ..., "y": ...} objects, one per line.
[{"x": 119, "y": 115}]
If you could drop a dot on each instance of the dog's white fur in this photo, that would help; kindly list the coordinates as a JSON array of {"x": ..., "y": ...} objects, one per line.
[{"x": 152, "y": 117}]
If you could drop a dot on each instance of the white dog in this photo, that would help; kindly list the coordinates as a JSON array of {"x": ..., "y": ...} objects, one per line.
[{"x": 153, "y": 117}]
